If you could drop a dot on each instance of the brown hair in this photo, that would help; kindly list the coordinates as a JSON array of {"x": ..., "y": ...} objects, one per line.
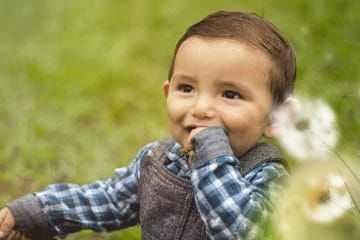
[{"x": 257, "y": 32}]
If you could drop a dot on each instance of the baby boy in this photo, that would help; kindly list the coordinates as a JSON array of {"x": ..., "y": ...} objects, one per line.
[{"x": 212, "y": 179}]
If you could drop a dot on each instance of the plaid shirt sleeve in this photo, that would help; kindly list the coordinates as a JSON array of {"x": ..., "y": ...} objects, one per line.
[
  {"x": 101, "y": 206},
  {"x": 231, "y": 206}
]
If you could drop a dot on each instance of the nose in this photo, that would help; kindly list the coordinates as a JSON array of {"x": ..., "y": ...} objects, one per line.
[{"x": 203, "y": 107}]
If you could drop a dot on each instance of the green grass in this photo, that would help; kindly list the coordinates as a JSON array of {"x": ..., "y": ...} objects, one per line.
[{"x": 80, "y": 81}]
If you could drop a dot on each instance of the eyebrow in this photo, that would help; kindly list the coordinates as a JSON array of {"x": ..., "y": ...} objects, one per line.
[
  {"x": 182, "y": 76},
  {"x": 231, "y": 84}
]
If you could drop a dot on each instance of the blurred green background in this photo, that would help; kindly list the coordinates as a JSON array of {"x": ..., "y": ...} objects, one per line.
[{"x": 81, "y": 81}]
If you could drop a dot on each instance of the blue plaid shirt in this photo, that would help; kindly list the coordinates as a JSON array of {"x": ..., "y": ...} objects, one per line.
[{"x": 232, "y": 206}]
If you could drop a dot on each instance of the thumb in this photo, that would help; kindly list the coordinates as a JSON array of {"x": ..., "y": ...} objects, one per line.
[{"x": 193, "y": 133}]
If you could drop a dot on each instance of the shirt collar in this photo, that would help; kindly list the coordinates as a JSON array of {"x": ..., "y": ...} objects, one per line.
[{"x": 175, "y": 154}]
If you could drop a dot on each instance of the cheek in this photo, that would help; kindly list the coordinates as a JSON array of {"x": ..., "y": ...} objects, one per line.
[
  {"x": 176, "y": 109},
  {"x": 234, "y": 119},
  {"x": 244, "y": 121}
]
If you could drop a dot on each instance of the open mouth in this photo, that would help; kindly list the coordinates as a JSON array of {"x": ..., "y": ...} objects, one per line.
[{"x": 190, "y": 128}]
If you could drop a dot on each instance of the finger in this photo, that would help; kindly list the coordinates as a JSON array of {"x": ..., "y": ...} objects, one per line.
[
  {"x": 193, "y": 133},
  {"x": 2, "y": 218},
  {"x": 7, "y": 224},
  {"x": 11, "y": 235},
  {"x": 3, "y": 231},
  {"x": 2, "y": 215},
  {"x": 17, "y": 235},
  {"x": 196, "y": 131}
]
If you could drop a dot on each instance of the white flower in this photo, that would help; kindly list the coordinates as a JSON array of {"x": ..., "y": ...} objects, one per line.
[
  {"x": 317, "y": 204},
  {"x": 327, "y": 199},
  {"x": 306, "y": 129}
]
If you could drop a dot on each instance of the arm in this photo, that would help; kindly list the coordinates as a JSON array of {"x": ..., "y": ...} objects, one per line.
[
  {"x": 66, "y": 208},
  {"x": 232, "y": 206}
]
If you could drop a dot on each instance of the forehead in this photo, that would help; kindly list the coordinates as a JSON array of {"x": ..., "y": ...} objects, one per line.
[{"x": 221, "y": 58}]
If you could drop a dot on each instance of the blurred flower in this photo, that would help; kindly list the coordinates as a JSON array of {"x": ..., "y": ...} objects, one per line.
[
  {"x": 316, "y": 205},
  {"x": 305, "y": 128},
  {"x": 326, "y": 199}
]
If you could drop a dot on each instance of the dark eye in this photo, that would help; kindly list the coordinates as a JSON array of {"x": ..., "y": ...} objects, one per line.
[
  {"x": 231, "y": 94},
  {"x": 185, "y": 88}
]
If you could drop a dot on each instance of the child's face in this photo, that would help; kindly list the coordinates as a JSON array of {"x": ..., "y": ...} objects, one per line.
[{"x": 219, "y": 82}]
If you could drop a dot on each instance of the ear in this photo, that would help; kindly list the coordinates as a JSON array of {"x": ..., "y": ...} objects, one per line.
[
  {"x": 280, "y": 116},
  {"x": 166, "y": 86},
  {"x": 270, "y": 128}
]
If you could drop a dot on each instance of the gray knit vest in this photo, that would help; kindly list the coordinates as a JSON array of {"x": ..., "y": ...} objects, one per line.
[{"x": 167, "y": 205}]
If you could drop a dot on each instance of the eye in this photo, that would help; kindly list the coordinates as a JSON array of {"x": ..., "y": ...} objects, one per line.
[
  {"x": 185, "y": 88},
  {"x": 230, "y": 94}
]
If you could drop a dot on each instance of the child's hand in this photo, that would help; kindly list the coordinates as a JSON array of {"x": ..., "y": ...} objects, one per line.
[
  {"x": 193, "y": 133},
  {"x": 7, "y": 224}
]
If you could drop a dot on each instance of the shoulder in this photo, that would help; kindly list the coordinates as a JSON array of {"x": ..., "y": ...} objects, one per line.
[
  {"x": 145, "y": 150},
  {"x": 133, "y": 169},
  {"x": 261, "y": 157},
  {"x": 271, "y": 167},
  {"x": 267, "y": 172},
  {"x": 155, "y": 147}
]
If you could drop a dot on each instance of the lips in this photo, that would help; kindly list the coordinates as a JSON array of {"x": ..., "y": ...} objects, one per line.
[{"x": 189, "y": 128}]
